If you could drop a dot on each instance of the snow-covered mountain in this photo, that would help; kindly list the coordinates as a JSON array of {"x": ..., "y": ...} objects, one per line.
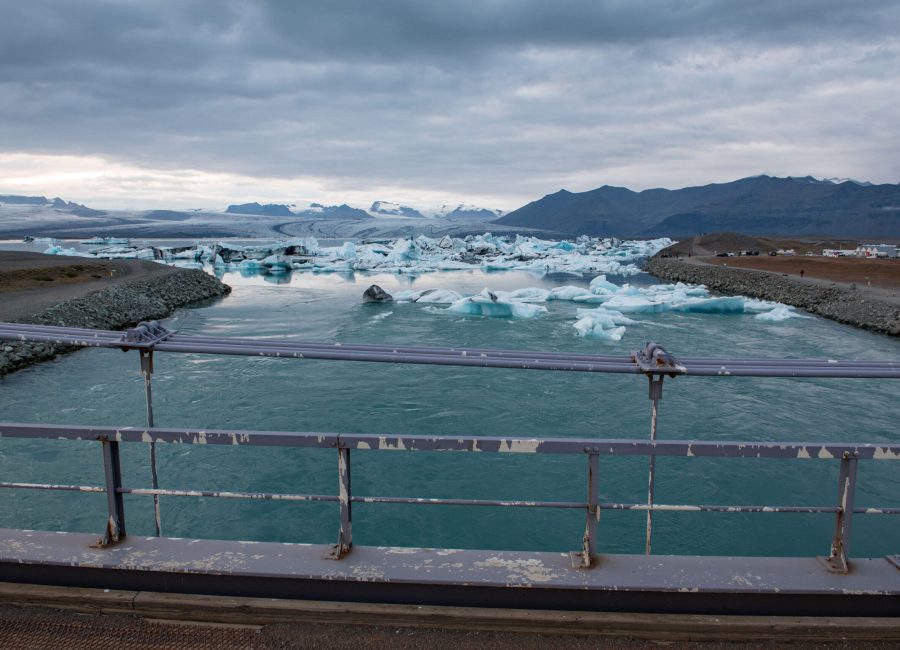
[
  {"x": 447, "y": 211},
  {"x": 466, "y": 210},
  {"x": 812, "y": 180},
  {"x": 838, "y": 181},
  {"x": 378, "y": 209},
  {"x": 394, "y": 210}
]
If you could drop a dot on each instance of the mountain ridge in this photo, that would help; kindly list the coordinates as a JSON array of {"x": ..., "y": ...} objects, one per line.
[{"x": 759, "y": 205}]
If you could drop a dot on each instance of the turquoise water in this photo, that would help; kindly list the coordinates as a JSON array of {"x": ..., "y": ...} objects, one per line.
[{"x": 105, "y": 387}]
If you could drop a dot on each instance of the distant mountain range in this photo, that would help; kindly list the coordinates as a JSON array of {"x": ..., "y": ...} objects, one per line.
[
  {"x": 317, "y": 210},
  {"x": 56, "y": 203},
  {"x": 378, "y": 209},
  {"x": 759, "y": 205}
]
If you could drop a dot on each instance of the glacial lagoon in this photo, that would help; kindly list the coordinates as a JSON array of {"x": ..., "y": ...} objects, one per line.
[{"x": 105, "y": 387}]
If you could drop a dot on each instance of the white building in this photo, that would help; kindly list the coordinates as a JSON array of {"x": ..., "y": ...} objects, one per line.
[{"x": 877, "y": 250}]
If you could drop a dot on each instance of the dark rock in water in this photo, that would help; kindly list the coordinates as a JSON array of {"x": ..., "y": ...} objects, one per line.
[{"x": 377, "y": 294}]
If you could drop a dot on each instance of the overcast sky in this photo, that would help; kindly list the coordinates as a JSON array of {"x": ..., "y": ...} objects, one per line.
[{"x": 187, "y": 103}]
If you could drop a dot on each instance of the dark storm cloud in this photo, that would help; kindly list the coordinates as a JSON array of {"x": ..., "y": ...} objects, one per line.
[{"x": 473, "y": 98}]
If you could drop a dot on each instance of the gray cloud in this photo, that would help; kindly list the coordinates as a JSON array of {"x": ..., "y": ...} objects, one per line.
[{"x": 492, "y": 98}]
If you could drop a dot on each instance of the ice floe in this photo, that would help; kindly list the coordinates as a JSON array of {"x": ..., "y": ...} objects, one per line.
[
  {"x": 608, "y": 319},
  {"x": 496, "y": 304},
  {"x": 410, "y": 255}
]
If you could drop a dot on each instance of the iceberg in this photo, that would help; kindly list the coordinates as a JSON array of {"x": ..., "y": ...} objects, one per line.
[
  {"x": 778, "y": 314},
  {"x": 530, "y": 294},
  {"x": 575, "y": 294},
  {"x": 601, "y": 285},
  {"x": 444, "y": 296},
  {"x": 601, "y": 323},
  {"x": 723, "y": 305},
  {"x": 489, "y": 303},
  {"x": 71, "y": 252},
  {"x": 410, "y": 255}
]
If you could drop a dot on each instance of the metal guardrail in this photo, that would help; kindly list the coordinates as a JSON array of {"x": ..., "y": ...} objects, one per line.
[{"x": 654, "y": 362}]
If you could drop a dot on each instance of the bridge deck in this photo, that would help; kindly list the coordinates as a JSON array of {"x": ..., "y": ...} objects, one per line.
[{"x": 618, "y": 583}]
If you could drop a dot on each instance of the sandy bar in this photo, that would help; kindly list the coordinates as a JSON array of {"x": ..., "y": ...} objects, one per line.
[{"x": 32, "y": 282}]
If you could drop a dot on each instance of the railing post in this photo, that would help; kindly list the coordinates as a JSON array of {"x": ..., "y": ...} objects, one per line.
[
  {"x": 655, "y": 396},
  {"x": 838, "y": 561},
  {"x": 147, "y": 370},
  {"x": 115, "y": 524},
  {"x": 588, "y": 553},
  {"x": 345, "y": 537}
]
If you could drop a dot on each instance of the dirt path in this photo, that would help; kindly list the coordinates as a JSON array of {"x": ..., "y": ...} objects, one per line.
[
  {"x": 874, "y": 279},
  {"x": 31, "y": 282}
]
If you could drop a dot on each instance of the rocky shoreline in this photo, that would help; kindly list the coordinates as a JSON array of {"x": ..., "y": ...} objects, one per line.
[
  {"x": 113, "y": 308},
  {"x": 836, "y": 303}
]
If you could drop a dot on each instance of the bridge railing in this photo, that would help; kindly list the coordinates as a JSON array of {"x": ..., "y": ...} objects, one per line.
[
  {"x": 653, "y": 361},
  {"x": 843, "y": 508}
]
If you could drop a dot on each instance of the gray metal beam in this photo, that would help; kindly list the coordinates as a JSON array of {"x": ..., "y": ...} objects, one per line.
[
  {"x": 154, "y": 337},
  {"x": 603, "y": 447}
]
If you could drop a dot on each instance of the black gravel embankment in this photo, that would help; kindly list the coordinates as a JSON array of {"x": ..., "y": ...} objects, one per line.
[
  {"x": 836, "y": 303},
  {"x": 113, "y": 308}
]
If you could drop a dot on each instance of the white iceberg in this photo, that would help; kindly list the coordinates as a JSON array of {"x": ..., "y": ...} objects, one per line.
[
  {"x": 440, "y": 296},
  {"x": 489, "y": 303},
  {"x": 413, "y": 255},
  {"x": 601, "y": 323},
  {"x": 778, "y": 314}
]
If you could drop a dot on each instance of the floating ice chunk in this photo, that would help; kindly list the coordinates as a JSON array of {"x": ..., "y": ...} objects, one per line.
[
  {"x": 499, "y": 265},
  {"x": 250, "y": 265},
  {"x": 601, "y": 323},
  {"x": 451, "y": 265},
  {"x": 277, "y": 263},
  {"x": 445, "y": 296},
  {"x": 636, "y": 305},
  {"x": 348, "y": 252},
  {"x": 299, "y": 246},
  {"x": 723, "y": 305},
  {"x": 415, "y": 255},
  {"x": 530, "y": 294},
  {"x": 404, "y": 250},
  {"x": 71, "y": 252},
  {"x": 488, "y": 303},
  {"x": 752, "y": 305},
  {"x": 575, "y": 294},
  {"x": 219, "y": 263},
  {"x": 382, "y": 316},
  {"x": 588, "y": 327},
  {"x": 440, "y": 296},
  {"x": 778, "y": 314},
  {"x": 565, "y": 246},
  {"x": 608, "y": 317},
  {"x": 601, "y": 285}
]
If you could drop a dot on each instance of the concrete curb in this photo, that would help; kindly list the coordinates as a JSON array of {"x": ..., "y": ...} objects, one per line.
[{"x": 190, "y": 608}]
